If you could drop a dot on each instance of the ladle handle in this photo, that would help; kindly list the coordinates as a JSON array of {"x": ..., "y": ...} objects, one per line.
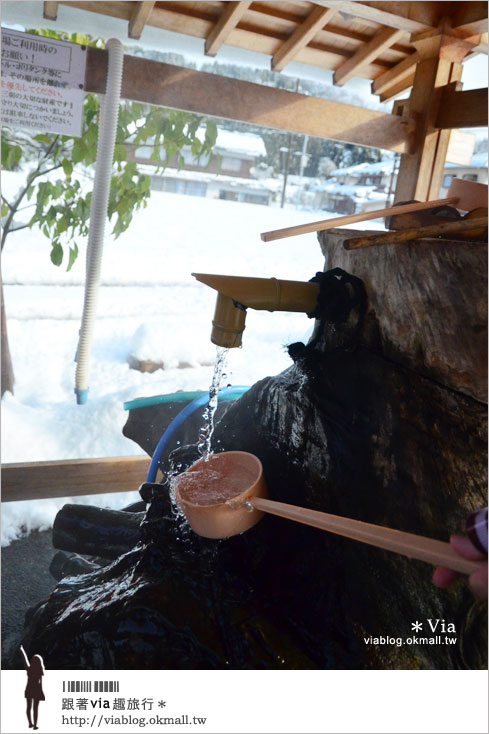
[{"x": 431, "y": 551}]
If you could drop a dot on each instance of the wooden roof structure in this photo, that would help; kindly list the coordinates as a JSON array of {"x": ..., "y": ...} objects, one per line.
[
  {"x": 397, "y": 45},
  {"x": 371, "y": 40}
]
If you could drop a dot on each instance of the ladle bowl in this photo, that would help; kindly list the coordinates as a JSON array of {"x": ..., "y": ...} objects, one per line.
[
  {"x": 215, "y": 494},
  {"x": 227, "y": 494}
]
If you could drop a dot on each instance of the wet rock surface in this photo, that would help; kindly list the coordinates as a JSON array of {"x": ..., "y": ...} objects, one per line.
[{"x": 351, "y": 431}]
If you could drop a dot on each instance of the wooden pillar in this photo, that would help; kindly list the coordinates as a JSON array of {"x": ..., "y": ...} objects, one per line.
[{"x": 441, "y": 52}]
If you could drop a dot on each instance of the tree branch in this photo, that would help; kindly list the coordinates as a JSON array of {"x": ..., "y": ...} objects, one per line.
[
  {"x": 23, "y": 208},
  {"x": 16, "y": 229},
  {"x": 36, "y": 173},
  {"x": 6, "y": 202}
]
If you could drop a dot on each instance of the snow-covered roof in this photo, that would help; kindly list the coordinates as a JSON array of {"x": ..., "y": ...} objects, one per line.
[
  {"x": 383, "y": 166},
  {"x": 232, "y": 181},
  {"x": 246, "y": 144},
  {"x": 363, "y": 192},
  {"x": 479, "y": 160}
]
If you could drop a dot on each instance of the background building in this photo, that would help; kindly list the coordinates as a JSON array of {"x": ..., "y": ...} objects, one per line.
[{"x": 226, "y": 175}]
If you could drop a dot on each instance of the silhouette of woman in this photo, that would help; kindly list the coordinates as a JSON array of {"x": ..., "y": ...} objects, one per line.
[{"x": 33, "y": 690}]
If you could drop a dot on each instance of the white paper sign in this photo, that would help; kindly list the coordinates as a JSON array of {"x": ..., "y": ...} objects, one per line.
[{"x": 42, "y": 83}]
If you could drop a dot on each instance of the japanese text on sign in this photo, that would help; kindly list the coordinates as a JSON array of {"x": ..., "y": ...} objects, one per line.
[{"x": 42, "y": 83}]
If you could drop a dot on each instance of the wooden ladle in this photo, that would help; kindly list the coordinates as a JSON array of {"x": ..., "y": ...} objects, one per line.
[{"x": 217, "y": 506}]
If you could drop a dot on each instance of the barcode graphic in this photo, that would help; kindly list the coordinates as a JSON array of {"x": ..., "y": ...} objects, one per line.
[{"x": 85, "y": 686}]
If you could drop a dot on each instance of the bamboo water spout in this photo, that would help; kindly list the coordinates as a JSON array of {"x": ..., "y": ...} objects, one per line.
[{"x": 236, "y": 294}]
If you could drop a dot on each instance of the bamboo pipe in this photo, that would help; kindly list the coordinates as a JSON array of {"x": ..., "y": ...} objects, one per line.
[
  {"x": 264, "y": 294},
  {"x": 278, "y": 234},
  {"x": 236, "y": 293},
  {"x": 424, "y": 549},
  {"x": 405, "y": 235}
]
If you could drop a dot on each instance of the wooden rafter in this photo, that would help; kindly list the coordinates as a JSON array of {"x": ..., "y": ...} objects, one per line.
[
  {"x": 228, "y": 21},
  {"x": 377, "y": 15},
  {"x": 396, "y": 89},
  {"x": 139, "y": 18},
  {"x": 50, "y": 10},
  {"x": 304, "y": 33},
  {"x": 395, "y": 75},
  {"x": 209, "y": 94},
  {"x": 265, "y": 27},
  {"x": 165, "y": 16},
  {"x": 366, "y": 54}
]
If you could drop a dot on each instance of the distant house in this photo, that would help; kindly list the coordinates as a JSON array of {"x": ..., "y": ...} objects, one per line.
[
  {"x": 369, "y": 186},
  {"x": 477, "y": 171},
  {"x": 359, "y": 188},
  {"x": 227, "y": 175}
]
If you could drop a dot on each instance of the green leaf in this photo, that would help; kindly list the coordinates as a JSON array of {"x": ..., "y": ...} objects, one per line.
[
  {"x": 57, "y": 190},
  {"x": 120, "y": 153},
  {"x": 73, "y": 255},
  {"x": 145, "y": 182},
  {"x": 14, "y": 156},
  {"x": 67, "y": 167},
  {"x": 62, "y": 224},
  {"x": 211, "y": 133},
  {"x": 79, "y": 151},
  {"x": 56, "y": 254},
  {"x": 51, "y": 215},
  {"x": 5, "y": 209}
]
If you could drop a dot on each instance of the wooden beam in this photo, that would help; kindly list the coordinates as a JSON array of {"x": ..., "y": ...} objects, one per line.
[
  {"x": 209, "y": 94},
  {"x": 303, "y": 34},
  {"x": 377, "y": 15},
  {"x": 421, "y": 173},
  {"x": 139, "y": 18},
  {"x": 395, "y": 75},
  {"x": 482, "y": 48},
  {"x": 469, "y": 16},
  {"x": 462, "y": 109},
  {"x": 50, "y": 10},
  {"x": 72, "y": 477},
  {"x": 392, "y": 92},
  {"x": 428, "y": 12},
  {"x": 228, "y": 21},
  {"x": 366, "y": 54}
]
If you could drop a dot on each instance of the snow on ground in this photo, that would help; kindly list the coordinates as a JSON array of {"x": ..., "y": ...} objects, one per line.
[{"x": 149, "y": 307}]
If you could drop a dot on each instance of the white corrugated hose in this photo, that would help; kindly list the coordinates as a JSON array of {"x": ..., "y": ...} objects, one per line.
[{"x": 109, "y": 113}]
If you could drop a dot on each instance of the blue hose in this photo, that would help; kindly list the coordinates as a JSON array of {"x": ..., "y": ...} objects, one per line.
[{"x": 227, "y": 393}]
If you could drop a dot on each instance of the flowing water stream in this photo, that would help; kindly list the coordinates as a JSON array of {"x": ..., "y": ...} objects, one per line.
[{"x": 205, "y": 435}]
